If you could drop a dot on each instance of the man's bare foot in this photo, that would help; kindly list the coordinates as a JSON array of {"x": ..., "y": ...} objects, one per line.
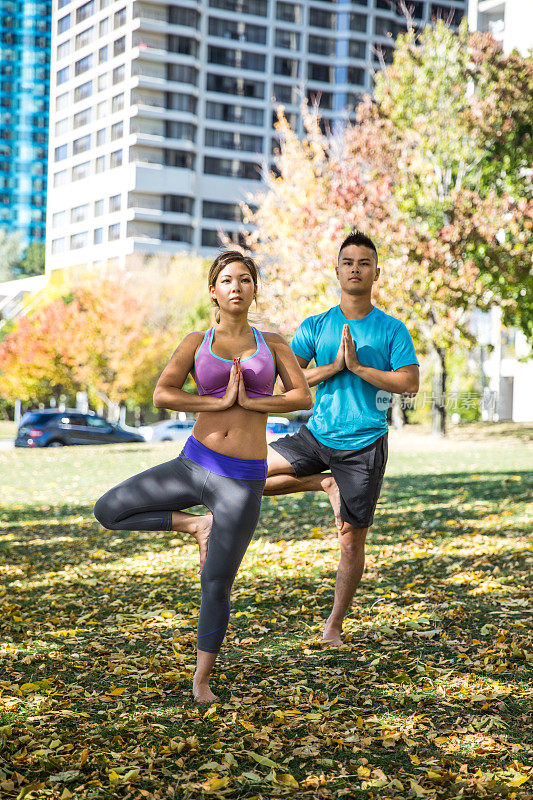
[
  {"x": 332, "y": 635},
  {"x": 329, "y": 485},
  {"x": 202, "y": 693},
  {"x": 201, "y": 534}
]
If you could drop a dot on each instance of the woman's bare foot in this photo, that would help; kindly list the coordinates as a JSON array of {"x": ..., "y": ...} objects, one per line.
[
  {"x": 329, "y": 485},
  {"x": 202, "y": 693},
  {"x": 197, "y": 525}
]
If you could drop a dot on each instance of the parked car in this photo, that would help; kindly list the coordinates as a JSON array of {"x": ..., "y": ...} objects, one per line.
[
  {"x": 168, "y": 430},
  {"x": 282, "y": 425},
  {"x": 52, "y": 428}
]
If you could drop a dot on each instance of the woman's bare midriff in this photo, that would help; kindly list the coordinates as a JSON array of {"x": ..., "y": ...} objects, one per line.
[{"x": 235, "y": 432}]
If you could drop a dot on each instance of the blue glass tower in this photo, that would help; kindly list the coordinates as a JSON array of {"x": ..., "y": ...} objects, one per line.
[{"x": 25, "y": 33}]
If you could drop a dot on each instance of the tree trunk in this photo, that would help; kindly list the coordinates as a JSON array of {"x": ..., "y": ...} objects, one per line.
[{"x": 439, "y": 394}]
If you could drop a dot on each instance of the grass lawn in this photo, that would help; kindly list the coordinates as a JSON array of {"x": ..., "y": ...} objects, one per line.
[{"x": 429, "y": 698}]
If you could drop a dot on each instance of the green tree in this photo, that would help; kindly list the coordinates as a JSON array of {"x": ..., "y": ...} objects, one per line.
[
  {"x": 32, "y": 262},
  {"x": 10, "y": 253}
]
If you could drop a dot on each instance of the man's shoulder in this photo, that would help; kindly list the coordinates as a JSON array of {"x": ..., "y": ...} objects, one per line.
[
  {"x": 391, "y": 323},
  {"x": 318, "y": 320}
]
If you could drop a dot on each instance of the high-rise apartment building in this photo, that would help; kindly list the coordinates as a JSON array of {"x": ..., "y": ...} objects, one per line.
[
  {"x": 24, "y": 84},
  {"x": 162, "y": 112},
  {"x": 509, "y": 21}
]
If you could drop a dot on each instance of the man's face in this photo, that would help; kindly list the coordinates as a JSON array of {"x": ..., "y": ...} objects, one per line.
[{"x": 357, "y": 269}]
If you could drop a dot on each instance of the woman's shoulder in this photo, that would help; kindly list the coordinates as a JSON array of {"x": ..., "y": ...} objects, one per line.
[{"x": 272, "y": 338}]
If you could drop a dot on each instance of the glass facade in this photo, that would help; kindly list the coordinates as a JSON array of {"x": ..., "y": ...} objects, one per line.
[{"x": 25, "y": 32}]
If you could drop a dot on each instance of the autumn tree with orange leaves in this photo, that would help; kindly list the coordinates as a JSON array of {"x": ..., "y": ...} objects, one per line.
[{"x": 416, "y": 174}]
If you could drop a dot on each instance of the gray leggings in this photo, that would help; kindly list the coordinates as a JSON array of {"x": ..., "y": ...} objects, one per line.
[{"x": 145, "y": 502}]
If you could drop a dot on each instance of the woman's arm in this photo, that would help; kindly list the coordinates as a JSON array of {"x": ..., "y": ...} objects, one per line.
[
  {"x": 296, "y": 393},
  {"x": 168, "y": 392}
]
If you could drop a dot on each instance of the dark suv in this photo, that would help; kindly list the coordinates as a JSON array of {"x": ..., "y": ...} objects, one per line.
[{"x": 52, "y": 428}]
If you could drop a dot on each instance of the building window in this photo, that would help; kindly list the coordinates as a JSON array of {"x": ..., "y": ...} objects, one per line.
[
  {"x": 101, "y": 109},
  {"x": 119, "y": 46},
  {"x": 115, "y": 159},
  {"x": 119, "y": 74},
  {"x": 234, "y": 141},
  {"x": 117, "y": 103},
  {"x": 227, "y": 211},
  {"x": 81, "y": 118},
  {"x": 60, "y": 178},
  {"x": 78, "y": 240},
  {"x": 322, "y": 19},
  {"x": 183, "y": 16},
  {"x": 232, "y": 113},
  {"x": 100, "y": 137},
  {"x": 63, "y": 50},
  {"x": 257, "y": 7},
  {"x": 286, "y": 94},
  {"x": 288, "y": 12},
  {"x": 114, "y": 203},
  {"x": 62, "y": 75},
  {"x": 83, "y": 65},
  {"x": 356, "y": 75},
  {"x": 63, "y": 24},
  {"x": 231, "y": 168},
  {"x": 61, "y": 152},
  {"x": 238, "y": 31},
  {"x": 182, "y": 45},
  {"x": 321, "y": 72},
  {"x": 103, "y": 54},
  {"x": 452, "y": 16},
  {"x": 286, "y": 66},
  {"x": 62, "y": 102},
  {"x": 84, "y": 38},
  {"x": 240, "y": 59},
  {"x": 177, "y": 203},
  {"x": 79, "y": 213},
  {"x": 61, "y": 127},
  {"x": 120, "y": 17},
  {"x": 321, "y": 46},
  {"x": 358, "y": 22},
  {"x": 238, "y": 86},
  {"x": 102, "y": 81},
  {"x": 98, "y": 208},
  {"x": 117, "y": 131},
  {"x": 103, "y": 27},
  {"x": 99, "y": 164},
  {"x": 287, "y": 40},
  {"x": 85, "y": 11},
  {"x": 113, "y": 232},
  {"x": 176, "y": 233},
  {"x": 59, "y": 219},
  {"x": 98, "y": 236},
  {"x": 81, "y": 171},
  {"x": 179, "y": 158},
  {"x": 83, "y": 91},
  {"x": 182, "y": 73},
  {"x": 58, "y": 246},
  {"x": 180, "y": 130},
  {"x": 81, "y": 145},
  {"x": 181, "y": 102},
  {"x": 357, "y": 49},
  {"x": 62, "y": 3}
]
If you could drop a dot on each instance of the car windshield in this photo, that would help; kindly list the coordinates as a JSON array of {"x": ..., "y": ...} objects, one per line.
[{"x": 34, "y": 418}]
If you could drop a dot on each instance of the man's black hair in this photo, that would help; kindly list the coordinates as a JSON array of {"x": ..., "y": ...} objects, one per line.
[{"x": 360, "y": 239}]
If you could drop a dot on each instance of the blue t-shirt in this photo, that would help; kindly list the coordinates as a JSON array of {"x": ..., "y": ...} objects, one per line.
[{"x": 350, "y": 413}]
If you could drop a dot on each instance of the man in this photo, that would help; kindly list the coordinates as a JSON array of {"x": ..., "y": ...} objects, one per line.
[{"x": 361, "y": 356}]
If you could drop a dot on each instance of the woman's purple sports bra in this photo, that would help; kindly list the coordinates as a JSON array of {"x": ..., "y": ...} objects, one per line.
[{"x": 211, "y": 372}]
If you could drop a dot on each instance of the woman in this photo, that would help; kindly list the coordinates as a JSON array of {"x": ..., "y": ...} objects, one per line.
[{"x": 223, "y": 464}]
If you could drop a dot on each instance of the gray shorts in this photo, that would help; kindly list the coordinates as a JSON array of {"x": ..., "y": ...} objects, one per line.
[{"x": 358, "y": 473}]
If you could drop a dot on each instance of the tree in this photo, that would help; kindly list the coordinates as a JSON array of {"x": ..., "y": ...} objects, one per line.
[
  {"x": 10, "y": 252},
  {"x": 32, "y": 262}
]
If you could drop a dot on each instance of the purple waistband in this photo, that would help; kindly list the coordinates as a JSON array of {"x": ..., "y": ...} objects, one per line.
[{"x": 229, "y": 466}]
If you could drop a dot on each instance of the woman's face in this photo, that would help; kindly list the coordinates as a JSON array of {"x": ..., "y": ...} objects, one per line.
[{"x": 234, "y": 288}]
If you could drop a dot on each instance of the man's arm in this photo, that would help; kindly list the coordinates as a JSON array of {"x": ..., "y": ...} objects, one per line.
[
  {"x": 404, "y": 380},
  {"x": 316, "y": 375}
]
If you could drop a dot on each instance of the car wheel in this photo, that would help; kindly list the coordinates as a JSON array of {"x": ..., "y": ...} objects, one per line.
[
  {"x": 56, "y": 443},
  {"x": 166, "y": 439}
]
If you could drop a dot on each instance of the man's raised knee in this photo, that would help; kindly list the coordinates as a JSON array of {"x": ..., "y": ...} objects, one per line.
[{"x": 102, "y": 514}]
